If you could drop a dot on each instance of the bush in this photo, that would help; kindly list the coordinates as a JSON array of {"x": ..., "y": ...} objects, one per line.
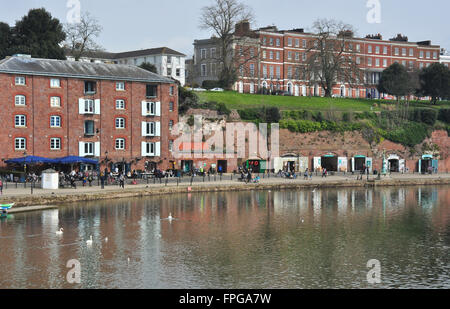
[
  {"x": 444, "y": 115},
  {"x": 410, "y": 134},
  {"x": 210, "y": 84},
  {"x": 308, "y": 126},
  {"x": 425, "y": 115},
  {"x": 261, "y": 114}
]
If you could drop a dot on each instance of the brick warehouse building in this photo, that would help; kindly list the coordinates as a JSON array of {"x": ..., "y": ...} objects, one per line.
[
  {"x": 282, "y": 52},
  {"x": 120, "y": 115}
]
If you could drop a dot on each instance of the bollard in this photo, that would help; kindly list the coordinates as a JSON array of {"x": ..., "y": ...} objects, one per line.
[
  {"x": 167, "y": 181},
  {"x": 192, "y": 179}
]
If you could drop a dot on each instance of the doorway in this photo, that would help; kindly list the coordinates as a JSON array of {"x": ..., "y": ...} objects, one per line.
[
  {"x": 360, "y": 162},
  {"x": 222, "y": 166},
  {"x": 394, "y": 165},
  {"x": 330, "y": 163}
]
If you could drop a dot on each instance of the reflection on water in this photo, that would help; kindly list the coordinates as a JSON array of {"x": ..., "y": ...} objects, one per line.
[{"x": 259, "y": 239}]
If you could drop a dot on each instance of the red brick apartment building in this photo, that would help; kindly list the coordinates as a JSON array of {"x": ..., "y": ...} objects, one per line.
[
  {"x": 282, "y": 52},
  {"x": 117, "y": 114}
]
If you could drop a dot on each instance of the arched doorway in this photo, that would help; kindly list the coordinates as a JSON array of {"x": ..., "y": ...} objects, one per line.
[
  {"x": 241, "y": 87},
  {"x": 304, "y": 90},
  {"x": 316, "y": 90},
  {"x": 342, "y": 91},
  {"x": 290, "y": 88},
  {"x": 252, "y": 88},
  {"x": 296, "y": 91}
]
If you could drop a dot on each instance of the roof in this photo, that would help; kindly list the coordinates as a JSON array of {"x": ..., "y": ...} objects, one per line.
[
  {"x": 75, "y": 69},
  {"x": 151, "y": 51}
]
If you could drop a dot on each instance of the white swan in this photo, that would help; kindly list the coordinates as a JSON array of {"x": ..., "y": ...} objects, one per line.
[
  {"x": 60, "y": 232},
  {"x": 106, "y": 239},
  {"x": 89, "y": 242}
]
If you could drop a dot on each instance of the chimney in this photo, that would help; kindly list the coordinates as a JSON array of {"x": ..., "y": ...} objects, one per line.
[{"x": 242, "y": 28}]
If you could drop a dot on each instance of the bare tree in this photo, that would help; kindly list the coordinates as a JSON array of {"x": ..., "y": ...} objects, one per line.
[
  {"x": 221, "y": 18},
  {"x": 331, "y": 56},
  {"x": 80, "y": 36}
]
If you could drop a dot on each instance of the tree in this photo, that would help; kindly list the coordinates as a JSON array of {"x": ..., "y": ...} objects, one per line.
[
  {"x": 221, "y": 18},
  {"x": 5, "y": 40},
  {"x": 80, "y": 36},
  {"x": 38, "y": 34},
  {"x": 397, "y": 81},
  {"x": 149, "y": 67},
  {"x": 435, "y": 82},
  {"x": 331, "y": 57}
]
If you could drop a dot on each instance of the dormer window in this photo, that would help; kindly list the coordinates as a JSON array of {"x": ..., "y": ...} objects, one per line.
[
  {"x": 90, "y": 87},
  {"x": 20, "y": 81},
  {"x": 151, "y": 91},
  {"x": 55, "y": 83},
  {"x": 120, "y": 86}
]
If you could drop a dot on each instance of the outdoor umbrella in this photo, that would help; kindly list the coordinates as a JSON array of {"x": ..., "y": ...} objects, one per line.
[
  {"x": 75, "y": 160},
  {"x": 30, "y": 160}
]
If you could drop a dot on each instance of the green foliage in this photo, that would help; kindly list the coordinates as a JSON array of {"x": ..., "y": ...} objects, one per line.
[
  {"x": 221, "y": 108},
  {"x": 210, "y": 84},
  {"x": 396, "y": 80},
  {"x": 187, "y": 100},
  {"x": 435, "y": 82},
  {"x": 366, "y": 115},
  {"x": 308, "y": 126},
  {"x": 444, "y": 115},
  {"x": 38, "y": 34},
  {"x": 425, "y": 115},
  {"x": 5, "y": 40},
  {"x": 149, "y": 67},
  {"x": 261, "y": 114},
  {"x": 410, "y": 134},
  {"x": 191, "y": 121}
]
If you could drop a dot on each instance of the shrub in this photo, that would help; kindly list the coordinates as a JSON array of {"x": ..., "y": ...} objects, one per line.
[
  {"x": 261, "y": 114},
  {"x": 410, "y": 134},
  {"x": 425, "y": 115},
  {"x": 444, "y": 115},
  {"x": 210, "y": 84}
]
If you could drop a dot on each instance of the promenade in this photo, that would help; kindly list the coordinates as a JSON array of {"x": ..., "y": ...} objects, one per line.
[{"x": 23, "y": 198}]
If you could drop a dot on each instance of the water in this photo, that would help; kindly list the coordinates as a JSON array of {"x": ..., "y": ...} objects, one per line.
[{"x": 260, "y": 239}]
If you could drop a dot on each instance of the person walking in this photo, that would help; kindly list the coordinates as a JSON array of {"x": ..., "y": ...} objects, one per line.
[
  {"x": 1, "y": 186},
  {"x": 122, "y": 181},
  {"x": 306, "y": 175},
  {"x": 102, "y": 180}
]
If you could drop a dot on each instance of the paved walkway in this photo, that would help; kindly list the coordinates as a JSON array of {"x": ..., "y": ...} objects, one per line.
[{"x": 20, "y": 191}]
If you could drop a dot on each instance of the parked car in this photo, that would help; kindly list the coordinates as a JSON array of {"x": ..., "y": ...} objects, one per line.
[
  {"x": 199, "y": 89},
  {"x": 217, "y": 89}
]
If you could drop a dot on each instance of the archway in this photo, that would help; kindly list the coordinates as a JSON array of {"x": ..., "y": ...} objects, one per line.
[
  {"x": 296, "y": 90},
  {"x": 289, "y": 88},
  {"x": 342, "y": 91},
  {"x": 304, "y": 90},
  {"x": 330, "y": 162}
]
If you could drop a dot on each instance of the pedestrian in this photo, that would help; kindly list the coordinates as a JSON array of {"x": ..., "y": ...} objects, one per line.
[
  {"x": 122, "y": 181},
  {"x": 1, "y": 187},
  {"x": 310, "y": 174},
  {"x": 102, "y": 180},
  {"x": 306, "y": 175},
  {"x": 249, "y": 177}
]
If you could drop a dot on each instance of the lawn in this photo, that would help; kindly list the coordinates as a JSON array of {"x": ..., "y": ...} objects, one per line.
[{"x": 234, "y": 100}]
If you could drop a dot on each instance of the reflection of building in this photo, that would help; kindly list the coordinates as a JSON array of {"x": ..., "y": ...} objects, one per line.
[{"x": 111, "y": 112}]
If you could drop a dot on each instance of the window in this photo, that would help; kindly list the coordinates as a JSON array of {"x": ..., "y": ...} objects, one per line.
[
  {"x": 88, "y": 106},
  {"x": 20, "y": 100},
  {"x": 385, "y": 50},
  {"x": 213, "y": 53},
  {"x": 289, "y": 74},
  {"x": 411, "y": 52},
  {"x": 120, "y": 144},
  {"x": 55, "y": 102},
  {"x": 428, "y": 55},
  {"x": 358, "y": 60},
  {"x": 171, "y": 90},
  {"x": 90, "y": 87},
  {"x": 120, "y": 123},
  {"x": 20, "y": 81},
  {"x": 278, "y": 72},
  {"x": 252, "y": 52},
  {"x": 377, "y": 62},
  {"x": 297, "y": 56},
  {"x": 55, "y": 121},
  {"x": 204, "y": 71},
  {"x": 152, "y": 91},
  {"x": 289, "y": 55},
  {"x": 252, "y": 69},
  {"x": 358, "y": 48},
  {"x": 151, "y": 109},
  {"x": 421, "y": 54},
  {"x": 89, "y": 149},
  {"x": 241, "y": 70},
  {"x": 271, "y": 72},
  {"x": 169, "y": 72},
  {"x": 289, "y": 41},
  {"x": 278, "y": 55},
  {"x": 297, "y": 43},
  {"x": 278, "y": 42},
  {"x": 55, "y": 83},
  {"x": 169, "y": 60},
  {"x": 264, "y": 71},
  {"x": 120, "y": 104},
  {"x": 397, "y": 51},
  {"x": 271, "y": 55},
  {"x": 434, "y": 55},
  {"x": 170, "y": 124},
  {"x": 20, "y": 121},
  {"x": 404, "y": 63},
  {"x": 178, "y": 72},
  {"x": 403, "y": 51},
  {"x": 304, "y": 43},
  {"x": 264, "y": 40},
  {"x": 369, "y": 61},
  {"x": 304, "y": 56},
  {"x": 89, "y": 128},
  {"x": 264, "y": 54},
  {"x": 369, "y": 49},
  {"x": 385, "y": 62},
  {"x": 170, "y": 106},
  {"x": 55, "y": 144},
  {"x": 377, "y": 49},
  {"x": 150, "y": 149},
  {"x": 120, "y": 86},
  {"x": 271, "y": 41},
  {"x": 203, "y": 53},
  {"x": 20, "y": 143},
  {"x": 170, "y": 145}
]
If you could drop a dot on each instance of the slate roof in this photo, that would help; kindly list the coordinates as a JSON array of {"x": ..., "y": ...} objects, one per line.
[{"x": 75, "y": 69}]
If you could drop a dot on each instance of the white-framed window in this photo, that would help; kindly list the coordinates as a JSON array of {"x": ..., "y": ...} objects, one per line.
[
  {"x": 297, "y": 42},
  {"x": 55, "y": 102},
  {"x": 55, "y": 83},
  {"x": 358, "y": 60},
  {"x": 369, "y": 62},
  {"x": 120, "y": 144},
  {"x": 171, "y": 106},
  {"x": 151, "y": 149},
  {"x": 120, "y": 123},
  {"x": 369, "y": 49},
  {"x": 172, "y": 90},
  {"x": 428, "y": 55},
  {"x": 304, "y": 56},
  {"x": 403, "y": 51},
  {"x": 397, "y": 51},
  {"x": 289, "y": 55},
  {"x": 434, "y": 55},
  {"x": 170, "y": 124},
  {"x": 358, "y": 48},
  {"x": 411, "y": 52},
  {"x": 120, "y": 86},
  {"x": 20, "y": 143},
  {"x": 289, "y": 72},
  {"x": 252, "y": 69},
  {"x": 385, "y": 50},
  {"x": 20, "y": 81},
  {"x": 385, "y": 62},
  {"x": 55, "y": 143},
  {"x": 278, "y": 42},
  {"x": 120, "y": 104},
  {"x": 89, "y": 149},
  {"x": 278, "y": 72},
  {"x": 271, "y": 55},
  {"x": 377, "y": 62},
  {"x": 297, "y": 56},
  {"x": 170, "y": 145},
  {"x": 377, "y": 49},
  {"x": 20, "y": 121},
  {"x": 304, "y": 43},
  {"x": 421, "y": 54},
  {"x": 289, "y": 41},
  {"x": 55, "y": 122},
  {"x": 151, "y": 108},
  {"x": 278, "y": 55},
  {"x": 88, "y": 106},
  {"x": 20, "y": 100},
  {"x": 213, "y": 52},
  {"x": 271, "y": 41},
  {"x": 204, "y": 69},
  {"x": 203, "y": 53}
]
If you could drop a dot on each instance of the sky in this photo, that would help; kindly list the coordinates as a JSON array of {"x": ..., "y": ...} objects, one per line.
[{"x": 139, "y": 24}]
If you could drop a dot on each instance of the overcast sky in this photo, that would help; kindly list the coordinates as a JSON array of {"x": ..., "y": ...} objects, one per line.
[{"x": 138, "y": 24}]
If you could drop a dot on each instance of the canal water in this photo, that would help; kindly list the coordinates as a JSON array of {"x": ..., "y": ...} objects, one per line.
[{"x": 256, "y": 240}]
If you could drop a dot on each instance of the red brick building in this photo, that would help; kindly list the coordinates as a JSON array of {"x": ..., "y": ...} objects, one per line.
[{"x": 117, "y": 114}]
